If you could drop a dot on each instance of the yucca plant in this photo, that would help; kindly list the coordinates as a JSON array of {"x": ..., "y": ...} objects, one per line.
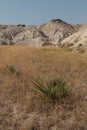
[
  {"x": 54, "y": 90},
  {"x": 12, "y": 69}
]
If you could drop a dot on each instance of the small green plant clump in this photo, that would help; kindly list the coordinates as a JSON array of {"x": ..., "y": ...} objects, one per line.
[
  {"x": 11, "y": 69},
  {"x": 54, "y": 90}
]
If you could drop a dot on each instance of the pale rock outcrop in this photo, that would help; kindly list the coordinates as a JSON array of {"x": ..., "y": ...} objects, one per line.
[
  {"x": 8, "y": 34},
  {"x": 78, "y": 39},
  {"x": 31, "y": 37},
  {"x": 57, "y": 30}
]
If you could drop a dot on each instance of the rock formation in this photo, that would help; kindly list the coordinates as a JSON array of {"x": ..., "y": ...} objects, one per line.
[
  {"x": 8, "y": 34},
  {"x": 78, "y": 39},
  {"x": 32, "y": 37},
  {"x": 55, "y": 32}
]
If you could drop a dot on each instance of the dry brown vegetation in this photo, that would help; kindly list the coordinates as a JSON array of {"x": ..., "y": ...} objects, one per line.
[{"x": 20, "y": 110}]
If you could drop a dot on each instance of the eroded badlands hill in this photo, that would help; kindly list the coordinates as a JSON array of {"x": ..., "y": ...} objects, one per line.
[
  {"x": 56, "y": 32},
  {"x": 78, "y": 39}
]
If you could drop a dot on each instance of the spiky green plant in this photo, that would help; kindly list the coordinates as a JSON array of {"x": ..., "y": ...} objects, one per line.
[
  {"x": 12, "y": 69},
  {"x": 54, "y": 90}
]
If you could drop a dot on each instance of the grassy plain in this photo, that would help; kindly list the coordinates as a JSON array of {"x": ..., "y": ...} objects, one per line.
[{"x": 20, "y": 110}]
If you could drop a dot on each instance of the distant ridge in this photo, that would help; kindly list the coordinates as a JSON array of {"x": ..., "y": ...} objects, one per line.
[{"x": 54, "y": 32}]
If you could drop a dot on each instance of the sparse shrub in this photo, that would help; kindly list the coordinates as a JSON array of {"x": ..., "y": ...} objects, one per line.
[
  {"x": 55, "y": 90},
  {"x": 69, "y": 49},
  {"x": 11, "y": 69},
  {"x": 21, "y": 25},
  {"x": 70, "y": 44},
  {"x": 80, "y": 44},
  {"x": 81, "y": 50}
]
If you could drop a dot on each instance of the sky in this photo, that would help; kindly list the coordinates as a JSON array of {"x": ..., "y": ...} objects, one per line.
[{"x": 33, "y": 12}]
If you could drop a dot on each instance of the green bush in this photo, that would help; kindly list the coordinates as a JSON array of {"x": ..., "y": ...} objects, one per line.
[{"x": 55, "y": 90}]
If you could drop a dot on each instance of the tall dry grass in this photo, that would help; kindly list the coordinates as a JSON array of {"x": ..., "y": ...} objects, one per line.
[{"x": 19, "y": 110}]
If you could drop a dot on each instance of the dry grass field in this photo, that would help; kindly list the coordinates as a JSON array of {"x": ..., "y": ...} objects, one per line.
[{"x": 20, "y": 109}]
